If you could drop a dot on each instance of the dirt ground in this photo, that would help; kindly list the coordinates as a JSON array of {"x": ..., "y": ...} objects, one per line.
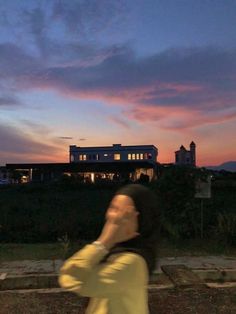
[{"x": 171, "y": 301}]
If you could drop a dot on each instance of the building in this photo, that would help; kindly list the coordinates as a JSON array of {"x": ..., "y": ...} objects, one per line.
[
  {"x": 115, "y": 163},
  {"x": 114, "y": 153},
  {"x": 116, "y": 158},
  {"x": 186, "y": 157},
  {"x": 4, "y": 176}
]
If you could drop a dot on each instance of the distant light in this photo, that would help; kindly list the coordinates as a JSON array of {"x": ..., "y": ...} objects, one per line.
[{"x": 116, "y": 156}]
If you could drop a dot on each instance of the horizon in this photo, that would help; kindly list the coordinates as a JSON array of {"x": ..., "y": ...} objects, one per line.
[
  {"x": 224, "y": 162},
  {"x": 94, "y": 73}
]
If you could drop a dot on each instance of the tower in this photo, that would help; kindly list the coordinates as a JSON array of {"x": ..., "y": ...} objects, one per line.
[{"x": 193, "y": 153}]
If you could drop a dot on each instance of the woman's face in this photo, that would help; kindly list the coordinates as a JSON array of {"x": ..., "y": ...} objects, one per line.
[{"x": 124, "y": 205}]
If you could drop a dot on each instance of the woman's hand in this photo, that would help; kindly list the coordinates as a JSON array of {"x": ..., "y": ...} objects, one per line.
[{"x": 120, "y": 226}]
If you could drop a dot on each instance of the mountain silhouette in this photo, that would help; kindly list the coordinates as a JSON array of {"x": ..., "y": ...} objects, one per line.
[{"x": 228, "y": 166}]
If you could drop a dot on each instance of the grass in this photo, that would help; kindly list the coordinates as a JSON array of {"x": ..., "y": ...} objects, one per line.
[
  {"x": 198, "y": 247},
  {"x": 36, "y": 251},
  {"x": 21, "y": 251}
]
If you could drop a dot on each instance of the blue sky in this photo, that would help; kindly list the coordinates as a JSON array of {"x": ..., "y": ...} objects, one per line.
[{"x": 100, "y": 72}]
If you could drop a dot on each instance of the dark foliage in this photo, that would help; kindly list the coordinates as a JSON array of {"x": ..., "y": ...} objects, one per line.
[{"x": 46, "y": 212}]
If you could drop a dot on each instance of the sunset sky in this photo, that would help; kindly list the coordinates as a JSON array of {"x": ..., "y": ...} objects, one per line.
[{"x": 95, "y": 73}]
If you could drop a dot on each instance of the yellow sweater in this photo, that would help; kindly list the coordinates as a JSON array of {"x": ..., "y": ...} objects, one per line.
[{"x": 118, "y": 286}]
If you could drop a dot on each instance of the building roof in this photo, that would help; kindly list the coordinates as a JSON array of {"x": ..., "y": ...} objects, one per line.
[
  {"x": 85, "y": 166},
  {"x": 114, "y": 146}
]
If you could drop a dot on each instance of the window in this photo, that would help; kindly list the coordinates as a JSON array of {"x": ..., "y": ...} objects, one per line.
[
  {"x": 80, "y": 157},
  {"x": 137, "y": 156},
  {"x": 149, "y": 156},
  {"x": 145, "y": 156},
  {"x": 116, "y": 156},
  {"x": 129, "y": 156},
  {"x": 97, "y": 157},
  {"x": 133, "y": 156},
  {"x": 84, "y": 157},
  {"x": 141, "y": 156},
  {"x": 72, "y": 158},
  {"x": 105, "y": 155}
]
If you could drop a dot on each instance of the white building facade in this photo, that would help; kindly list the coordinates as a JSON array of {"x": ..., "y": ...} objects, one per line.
[{"x": 114, "y": 153}]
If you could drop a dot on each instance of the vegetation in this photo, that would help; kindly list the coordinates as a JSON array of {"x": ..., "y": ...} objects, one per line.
[
  {"x": 55, "y": 250},
  {"x": 47, "y": 212},
  {"x": 181, "y": 211}
]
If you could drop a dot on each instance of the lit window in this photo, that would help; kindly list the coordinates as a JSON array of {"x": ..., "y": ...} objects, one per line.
[
  {"x": 105, "y": 155},
  {"x": 80, "y": 157},
  {"x": 133, "y": 156},
  {"x": 137, "y": 156},
  {"x": 129, "y": 156},
  {"x": 97, "y": 156},
  {"x": 84, "y": 157},
  {"x": 116, "y": 156},
  {"x": 141, "y": 156}
]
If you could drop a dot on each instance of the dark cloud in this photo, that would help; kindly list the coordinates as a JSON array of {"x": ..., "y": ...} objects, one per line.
[
  {"x": 87, "y": 18},
  {"x": 80, "y": 24},
  {"x": 35, "y": 127},
  {"x": 122, "y": 71},
  {"x": 65, "y": 137},
  {"x": 37, "y": 24},
  {"x": 36, "y": 20},
  {"x": 14, "y": 142},
  {"x": 194, "y": 79},
  {"x": 17, "y": 65},
  {"x": 9, "y": 101},
  {"x": 3, "y": 19},
  {"x": 24, "y": 70}
]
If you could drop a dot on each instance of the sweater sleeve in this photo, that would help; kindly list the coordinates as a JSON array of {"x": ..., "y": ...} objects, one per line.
[{"x": 82, "y": 273}]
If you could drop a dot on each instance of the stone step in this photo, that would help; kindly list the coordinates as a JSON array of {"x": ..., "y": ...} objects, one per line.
[{"x": 182, "y": 276}]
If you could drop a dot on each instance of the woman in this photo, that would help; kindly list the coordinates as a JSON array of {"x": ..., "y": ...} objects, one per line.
[{"x": 114, "y": 270}]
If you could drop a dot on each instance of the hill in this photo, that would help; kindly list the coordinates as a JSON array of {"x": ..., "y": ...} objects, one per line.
[{"x": 228, "y": 166}]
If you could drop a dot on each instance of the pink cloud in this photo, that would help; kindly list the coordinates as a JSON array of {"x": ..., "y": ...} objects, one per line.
[{"x": 169, "y": 88}]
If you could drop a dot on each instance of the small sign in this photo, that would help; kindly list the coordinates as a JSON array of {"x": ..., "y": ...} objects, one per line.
[{"x": 203, "y": 188}]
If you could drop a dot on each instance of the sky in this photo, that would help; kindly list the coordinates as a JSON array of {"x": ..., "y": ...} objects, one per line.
[{"x": 102, "y": 72}]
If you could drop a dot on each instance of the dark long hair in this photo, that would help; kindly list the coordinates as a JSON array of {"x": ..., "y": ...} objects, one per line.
[{"x": 145, "y": 244}]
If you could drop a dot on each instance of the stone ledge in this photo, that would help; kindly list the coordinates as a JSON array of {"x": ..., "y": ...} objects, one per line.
[
  {"x": 159, "y": 280},
  {"x": 29, "y": 282},
  {"x": 182, "y": 276},
  {"x": 220, "y": 275}
]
